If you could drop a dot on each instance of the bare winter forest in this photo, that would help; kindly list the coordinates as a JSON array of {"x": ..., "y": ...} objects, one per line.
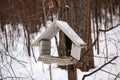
[{"x": 96, "y": 22}]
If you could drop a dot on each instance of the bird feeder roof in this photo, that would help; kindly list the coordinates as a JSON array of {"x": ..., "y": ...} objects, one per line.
[{"x": 58, "y": 25}]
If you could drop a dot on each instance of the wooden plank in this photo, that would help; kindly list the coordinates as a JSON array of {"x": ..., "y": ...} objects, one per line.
[
  {"x": 76, "y": 52},
  {"x": 45, "y": 52},
  {"x": 60, "y": 61},
  {"x": 45, "y": 42},
  {"x": 65, "y": 27},
  {"x": 45, "y": 45}
]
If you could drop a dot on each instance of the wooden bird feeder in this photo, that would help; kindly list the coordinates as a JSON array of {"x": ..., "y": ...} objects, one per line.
[{"x": 43, "y": 41}]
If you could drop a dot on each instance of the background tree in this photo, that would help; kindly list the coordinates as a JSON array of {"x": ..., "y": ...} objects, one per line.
[{"x": 77, "y": 14}]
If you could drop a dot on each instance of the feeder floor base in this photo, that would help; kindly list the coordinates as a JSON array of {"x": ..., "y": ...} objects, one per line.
[{"x": 60, "y": 61}]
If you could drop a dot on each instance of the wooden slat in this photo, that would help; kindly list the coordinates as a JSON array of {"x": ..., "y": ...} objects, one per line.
[
  {"x": 60, "y": 61},
  {"x": 45, "y": 45},
  {"x": 76, "y": 52}
]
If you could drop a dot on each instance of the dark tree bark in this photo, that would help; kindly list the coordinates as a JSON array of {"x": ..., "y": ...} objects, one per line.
[
  {"x": 77, "y": 14},
  {"x": 83, "y": 28}
]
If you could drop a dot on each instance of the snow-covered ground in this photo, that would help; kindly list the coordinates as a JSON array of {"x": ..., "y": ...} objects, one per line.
[{"x": 25, "y": 68}]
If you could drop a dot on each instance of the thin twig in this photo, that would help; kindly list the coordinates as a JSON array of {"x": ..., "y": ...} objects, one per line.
[
  {"x": 106, "y": 47},
  {"x": 33, "y": 54},
  {"x": 44, "y": 12},
  {"x": 89, "y": 47},
  {"x": 5, "y": 78},
  {"x": 99, "y": 68},
  {"x": 6, "y": 39},
  {"x": 7, "y": 69},
  {"x": 106, "y": 30},
  {"x": 12, "y": 69},
  {"x": 1, "y": 74},
  {"x": 56, "y": 41},
  {"x": 19, "y": 61},
  {"x": 110, "y": 73},
  {"x": 117, "y": 76}
]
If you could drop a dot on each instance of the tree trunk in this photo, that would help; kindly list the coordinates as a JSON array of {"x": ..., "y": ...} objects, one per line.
[
  {"x": 77, "y": 14},
  {"x": 83, "y": 28},
  {"x": 65, "y": 43}
]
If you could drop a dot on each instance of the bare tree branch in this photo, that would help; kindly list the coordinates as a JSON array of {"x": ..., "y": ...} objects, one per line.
[
  {"x": 90, "y": 47},
  {"x": 109, "y": 28},
  {"x": 110, "y": 73},
  {"x": 1, "y": 74},
  {"x": 5, "y": 78},
  {"x": 99, "y": 68},
  {"x": 117, "y": 76},
  {"x": 19, "y": 61}
]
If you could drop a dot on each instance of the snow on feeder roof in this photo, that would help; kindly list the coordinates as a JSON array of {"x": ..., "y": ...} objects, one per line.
[{"x": 57, "y": 25}]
